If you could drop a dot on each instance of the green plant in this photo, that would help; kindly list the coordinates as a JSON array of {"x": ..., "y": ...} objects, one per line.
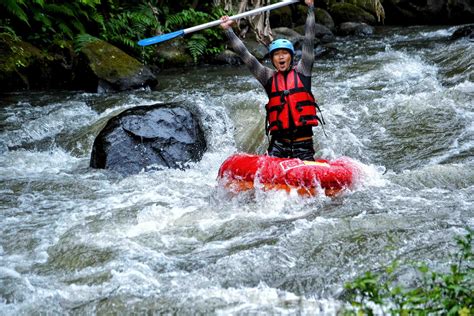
[
  {"x": 83, "y": 39},
  {"x": 205, "y": 43},
  {"x": 126, "y": 28},
  {"x": 45, "y": 22},
  {"x": 448, "y": 293},
  {"x": 16, "y": 8},
  {"x": 8, "y": 31}
]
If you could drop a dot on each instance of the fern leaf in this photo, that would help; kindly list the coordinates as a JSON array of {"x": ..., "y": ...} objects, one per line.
[
  {"x": 59, "y": 9},
  {"x": 66, "y": 30},
  {"x": 78, "y": 26},
  {"x": 39, "y": 2},
  {"x": 15, "y": 8},
  {"x": 42, "y": 18},
  {"x": 82, "y": 39},
  {"x": 197, "y": 45}
]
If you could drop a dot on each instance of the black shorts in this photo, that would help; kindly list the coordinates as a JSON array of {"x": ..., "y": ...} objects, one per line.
[{"x": 285, "y": 148}]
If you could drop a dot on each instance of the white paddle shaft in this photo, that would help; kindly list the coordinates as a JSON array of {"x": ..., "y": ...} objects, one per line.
[{"x": 240, "y": 15}]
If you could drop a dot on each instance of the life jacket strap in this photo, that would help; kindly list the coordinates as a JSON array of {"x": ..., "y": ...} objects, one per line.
[
  {"x": 299, "y": 105},
  {"x": 305, "y": 118},
  {"x": 275, "y": 123},
  {"x": 274, "y": 108}
]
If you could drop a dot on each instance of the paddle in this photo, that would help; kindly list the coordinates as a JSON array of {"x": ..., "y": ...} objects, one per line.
[{"x": 168, "y": 36}]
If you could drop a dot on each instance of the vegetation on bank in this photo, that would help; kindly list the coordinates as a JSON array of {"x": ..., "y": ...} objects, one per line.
[
  {"x": 432, "y": 293},
  {"x": 66, "y": 25}
]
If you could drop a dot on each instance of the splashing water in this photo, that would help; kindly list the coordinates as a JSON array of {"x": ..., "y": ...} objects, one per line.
[{"x": 77, "y": 240}]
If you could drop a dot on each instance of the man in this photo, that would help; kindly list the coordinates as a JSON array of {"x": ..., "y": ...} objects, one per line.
[{"x": 291, "y": 110}]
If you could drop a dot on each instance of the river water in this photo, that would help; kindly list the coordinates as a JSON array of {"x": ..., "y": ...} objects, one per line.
[{"x": 80, "y": 241}]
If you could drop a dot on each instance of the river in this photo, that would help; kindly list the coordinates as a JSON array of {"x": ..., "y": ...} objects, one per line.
[{"x": 75, "y": 240}]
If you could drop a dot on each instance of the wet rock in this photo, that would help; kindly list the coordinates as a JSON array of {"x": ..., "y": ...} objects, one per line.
[
  {"x": 255, "y": 48},
  {"x": 104, "y": 67},
  {"x": 353, "y": 28},
  {"x": 293, "y": 36},
  {"x": 323, "y": 33},
  {"x": 347, "y": 12},
  {"x": 323, "y": 17},
  {"x": 282, "y": 17},
  {"x": 464, "y": 31},
  {"x": 22, "y": 65},
  {"x": 174, "y": 53},
  {"x": 149, "y": 137},
  {"x": 228, "y": 57}
]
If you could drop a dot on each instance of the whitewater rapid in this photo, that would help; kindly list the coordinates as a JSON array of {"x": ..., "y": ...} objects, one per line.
[{"x": 75, "y": 240}]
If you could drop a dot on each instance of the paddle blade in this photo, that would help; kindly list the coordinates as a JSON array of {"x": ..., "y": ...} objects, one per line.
[{"x": 160, "y": 38}]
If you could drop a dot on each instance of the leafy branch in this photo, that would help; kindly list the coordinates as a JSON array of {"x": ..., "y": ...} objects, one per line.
[{"x": 439, "y": 293}]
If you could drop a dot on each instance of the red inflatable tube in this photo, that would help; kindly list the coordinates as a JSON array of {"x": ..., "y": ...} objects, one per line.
[{"x": 241, "y": 172}]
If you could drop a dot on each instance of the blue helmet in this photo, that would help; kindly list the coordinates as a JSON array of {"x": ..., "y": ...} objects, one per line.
[{"x": 281, "y": 44}]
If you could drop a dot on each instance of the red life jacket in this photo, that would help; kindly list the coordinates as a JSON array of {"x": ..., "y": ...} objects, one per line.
[{"x": 290, "y": 105}]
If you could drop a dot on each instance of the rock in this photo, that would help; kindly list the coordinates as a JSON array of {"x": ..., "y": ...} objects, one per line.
[
  {"x": 22, "y": 65},
  {"x": 347, "y": 12},
  {"x": 371, "y": 6},
  {"x": 107, "y": 68},
  {"x": 323, "y": 17},
  {"x": 406, "y": 12},
  {"x": 323, "y": 34},
  {"x": 228, "y": 57},
  {"x": 255, "y": 48},
  {"x": 293, "y": 36},
  {"x": 148, "y": 137},
  {"x": 174, "y": 53},
  {"x": 282, "y": 17},
  {"x": 464, "y": 31},
  {"x": 353, "y": 28}
]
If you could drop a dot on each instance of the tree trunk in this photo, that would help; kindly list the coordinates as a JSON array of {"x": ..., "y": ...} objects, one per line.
[{"x": 259, "y": 24}]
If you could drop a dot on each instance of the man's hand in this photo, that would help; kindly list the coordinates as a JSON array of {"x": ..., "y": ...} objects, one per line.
[{"x": 227, "y": 22}]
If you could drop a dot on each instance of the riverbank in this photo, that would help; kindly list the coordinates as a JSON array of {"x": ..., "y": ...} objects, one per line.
[{"x": 94, "y": 65}]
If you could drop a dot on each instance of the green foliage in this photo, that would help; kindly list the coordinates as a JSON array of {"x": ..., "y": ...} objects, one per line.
[
  {"x": 4, "y": 29},
  {"x": 126, "y": 28},
  {"x": 186, "y": 18},
  {"x": 83, "y": 39},
  {"x": 16, "y": 9},
  {"x": 197, "y": 46},
  {"x": 47, "y": 22},
  {"x": 208, "y": 42},
  {"x": 438, "y": 293},
  {"x": 122, "y": 23}
]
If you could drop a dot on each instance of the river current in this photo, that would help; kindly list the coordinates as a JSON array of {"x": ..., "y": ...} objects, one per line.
[{"x": 74, "y": 240}]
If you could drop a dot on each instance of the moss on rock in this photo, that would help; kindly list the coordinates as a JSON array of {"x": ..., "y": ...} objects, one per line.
[
  {"x": 19, "y": 63},
  {"x": 324, "y": 18},
  {"x": 173, "y": 53},
  {"x": 116, "y": 69},
  {"x": 108, "y": 62},
  {"x": 282, "y": 17},
  {"x": 347, "y": 12}
]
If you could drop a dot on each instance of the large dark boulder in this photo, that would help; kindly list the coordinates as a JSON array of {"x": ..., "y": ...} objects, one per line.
[
  {"x": 104, "y": 67},
  {"x": 146, "y": 137}
]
